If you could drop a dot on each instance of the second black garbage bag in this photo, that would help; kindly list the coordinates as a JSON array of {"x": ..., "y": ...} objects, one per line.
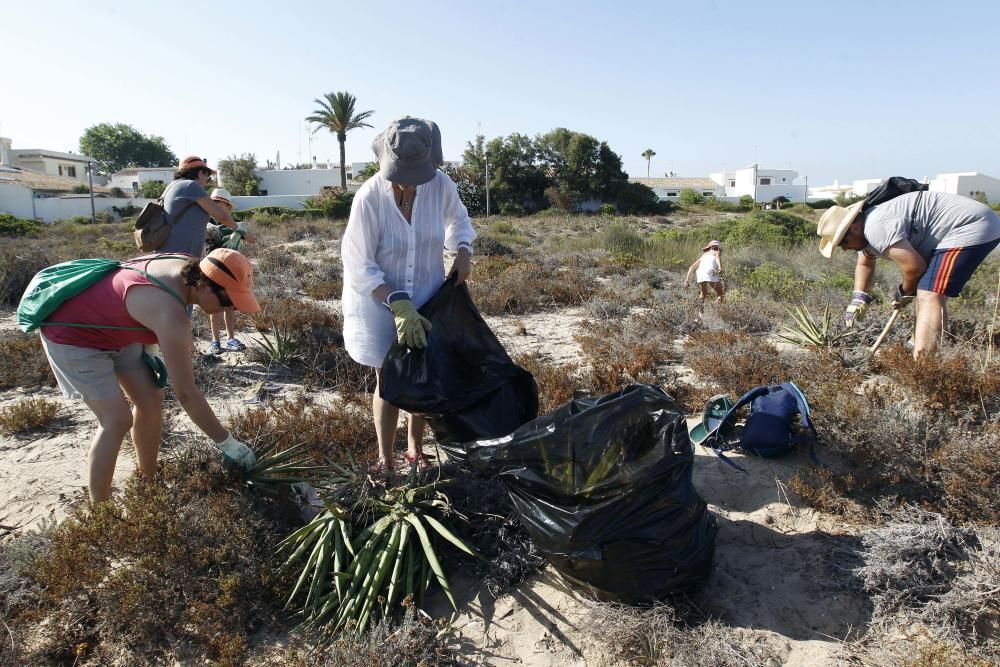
[
  {"x": 464, "y": 381},
  {"x": 604, "y": 487}
]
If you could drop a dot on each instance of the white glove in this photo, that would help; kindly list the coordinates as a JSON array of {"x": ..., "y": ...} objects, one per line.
[
  {"x": 241, "y": 227},
  {"x": 236, "y": 452}
]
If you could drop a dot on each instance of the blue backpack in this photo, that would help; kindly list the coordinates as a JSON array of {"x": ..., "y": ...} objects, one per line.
[{"x": 768, "y": 429}]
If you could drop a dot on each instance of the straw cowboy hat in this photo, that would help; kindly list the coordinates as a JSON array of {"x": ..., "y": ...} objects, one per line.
[
  {"x": 833, "y": 226},
  {"x": 712, "y": 244},
  {"x": 409, "y": 151}
]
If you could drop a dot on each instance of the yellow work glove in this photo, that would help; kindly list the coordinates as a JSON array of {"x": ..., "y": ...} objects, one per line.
[
  {"x": 858, "y": 307},
  {"x": 411, "y": 326}
]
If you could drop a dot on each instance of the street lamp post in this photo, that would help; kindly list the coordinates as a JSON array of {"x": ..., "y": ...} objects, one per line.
[
  {"x": 486, "y": 159},
  {"x": 90, "y": 178}
]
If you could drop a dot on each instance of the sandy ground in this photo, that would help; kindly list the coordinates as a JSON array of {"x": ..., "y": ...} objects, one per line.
[{"x": 769, "y": 559}]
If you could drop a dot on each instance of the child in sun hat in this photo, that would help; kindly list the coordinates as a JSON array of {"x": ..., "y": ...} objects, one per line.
[
  {"x": 216, "y": 238},
  {"x": 708, "y": 271}
]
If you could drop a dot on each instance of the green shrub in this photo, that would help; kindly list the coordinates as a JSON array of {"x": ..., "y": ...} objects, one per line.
[
  {"x": 821, "y": 204},
  {"x": 510, "y": 208},
  {"x": 282, "y": 213},
  {"x": 80, "y": 189},
  {"x": 690, "y": 197},
  {"x": 11, "y": 226},
  {"x": 503, "y": 227},
  {"x": 746, "y": 201},
  {"x": 620, "y": 238},
  {"x": 26, "y": 415},
  {"x": 334, "y": 202},
  {"x": 151, "y": 189},
  {"x": 126, "y": 211},
  {"x": 607, "y": 209},
  {"x": 776, "y": 281},
  {"x": 118, "y": 193}
]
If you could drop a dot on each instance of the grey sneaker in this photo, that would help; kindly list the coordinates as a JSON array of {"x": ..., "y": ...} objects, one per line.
[
  {"x": 215, "y": 347},
  {"x": 235, "y": 345}
]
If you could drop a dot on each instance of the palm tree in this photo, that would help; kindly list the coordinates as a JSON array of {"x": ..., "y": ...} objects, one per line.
[
  {"x": 336, "y": 113},
  {"x": 648, "y": 154}
]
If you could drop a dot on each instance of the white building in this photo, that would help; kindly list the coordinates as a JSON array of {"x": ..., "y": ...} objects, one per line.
[
  {"x": 669, "y": 189},
  {"x": 130, "y": 179},
  {"x": 43, "y": 161},
  {"x": 765, "y": 185},
  {"x": 305, "y": 182},
  {"x": 969, "y": 184}
]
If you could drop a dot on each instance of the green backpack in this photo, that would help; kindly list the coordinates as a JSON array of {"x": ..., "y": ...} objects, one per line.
[{"x": 54, "y": 284}]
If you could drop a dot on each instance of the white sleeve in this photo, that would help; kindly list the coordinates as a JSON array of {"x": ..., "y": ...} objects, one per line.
[
  {"x": 458, "y": 224},
  {"x": 360, "y": 244}
]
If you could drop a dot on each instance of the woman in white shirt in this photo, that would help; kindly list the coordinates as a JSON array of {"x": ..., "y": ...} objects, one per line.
[
  {"x": 708, "y": 271},
  {"x": 401, "y": 220}
]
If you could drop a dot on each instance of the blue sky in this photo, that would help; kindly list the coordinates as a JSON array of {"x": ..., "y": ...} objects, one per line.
[{"x": 832, "y": 89}]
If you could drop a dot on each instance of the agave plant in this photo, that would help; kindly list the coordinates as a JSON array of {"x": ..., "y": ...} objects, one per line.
[
  {"x": 805, "y": 330},
  {"x": 282, "y": 347},
  {"x": 352, "y": 579}
]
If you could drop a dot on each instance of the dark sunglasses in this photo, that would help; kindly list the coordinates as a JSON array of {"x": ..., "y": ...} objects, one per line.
[{"x": 220, "y": 292}]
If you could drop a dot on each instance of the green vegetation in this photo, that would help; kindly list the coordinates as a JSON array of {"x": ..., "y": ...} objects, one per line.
[
  {"x": 151, "y": 189},
  {"x": 11, "y": 226},
  {"x": 118, "y": 146},
  {"x": 237, "y": 172}
]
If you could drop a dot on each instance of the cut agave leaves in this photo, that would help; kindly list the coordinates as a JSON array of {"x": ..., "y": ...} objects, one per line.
[
  {"x": 349, "y": 579},
  {"x": 806, "y": 330},
  {"x": 281, "y": 468}
]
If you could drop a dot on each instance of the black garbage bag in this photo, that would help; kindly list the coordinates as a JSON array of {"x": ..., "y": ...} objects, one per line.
[
  {"x": 603, "y": 486},
  {"x": 463, "y": 382}
]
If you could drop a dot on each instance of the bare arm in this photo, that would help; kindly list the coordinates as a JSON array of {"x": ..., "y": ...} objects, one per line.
[
  {"x": 691, "y": 270},
  {"x": 864, "y": 271},
  {"x": 910, "y": 263},
  {"x": 160, "y": 312}
]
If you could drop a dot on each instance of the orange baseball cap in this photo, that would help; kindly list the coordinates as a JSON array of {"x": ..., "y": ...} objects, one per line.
[
  {"x": 232, "y": 272},
  {"x": 193, "y": 162}
]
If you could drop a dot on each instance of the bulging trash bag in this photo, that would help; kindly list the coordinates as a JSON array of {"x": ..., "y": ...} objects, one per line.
[
  {"x": 463, "y": 382},
  {"x": 603, "y": 486}
]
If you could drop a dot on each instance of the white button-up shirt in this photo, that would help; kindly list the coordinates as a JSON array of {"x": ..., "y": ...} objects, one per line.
[{"x": 379, "y": 246}]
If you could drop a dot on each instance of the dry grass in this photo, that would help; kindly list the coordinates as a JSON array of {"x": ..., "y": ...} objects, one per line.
[
  {"x": 557, "y": 384},
  {"x": 948, "y": 381},
  {"x": 735, "y": 362},
  {"x": 26, "y": 415}
]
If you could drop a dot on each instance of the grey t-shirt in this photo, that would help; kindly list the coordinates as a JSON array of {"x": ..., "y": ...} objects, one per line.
[
  {"x": 188, "y": 233},
  {"x": 930, "y": 221}
]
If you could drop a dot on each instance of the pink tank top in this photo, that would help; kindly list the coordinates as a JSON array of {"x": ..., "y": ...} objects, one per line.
[{"x": 102, "y": 303}]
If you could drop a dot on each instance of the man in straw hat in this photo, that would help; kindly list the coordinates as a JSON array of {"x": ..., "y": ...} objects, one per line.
[{"x": 937, "y": 240}]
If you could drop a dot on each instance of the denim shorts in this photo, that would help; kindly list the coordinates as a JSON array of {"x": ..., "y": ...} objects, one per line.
[
  {"x": 89, "y": 374},
  {"x": 950, "y": 268}
]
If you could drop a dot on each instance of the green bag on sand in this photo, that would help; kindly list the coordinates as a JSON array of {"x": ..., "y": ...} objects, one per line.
[{"x": 54, "y": 284}]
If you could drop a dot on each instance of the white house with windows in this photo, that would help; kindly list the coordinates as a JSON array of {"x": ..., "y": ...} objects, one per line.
[
  {"x": 44, "y": 161},
  {"x": 765, "y": 185},
  {"x": 304, "y": 182},
  {"x": 669, "y": 189},
  {"x": 968, "y": 183},
  {"x": 130, "y": 179}
]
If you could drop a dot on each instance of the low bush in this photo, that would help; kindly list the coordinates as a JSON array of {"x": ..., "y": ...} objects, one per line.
[
  {"x": 621, "y": 239},
  {"x": 23, "y": 363},
  {"x": 333, "y": 202},
  {"x": 17, "y": 268},
  {"x": 487, "y": 246},
  {"x": 11, "y": 226},
  {"x": 624, "y": 352},
  {"x": 735, "y": 362},
  {"x": 557, "y": 383},
  {"x": 690, "y": 197},
  {"x": 183, "y": 567},
  {"x": 775, "y": 281},
  {"x": 339, "y": 431},
  {"x": 26, "y": 415},
  {"x": 517, "y": 287},
  {"x": 949, "y": 380}
]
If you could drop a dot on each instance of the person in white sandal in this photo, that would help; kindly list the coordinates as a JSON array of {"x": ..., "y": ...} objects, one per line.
[{"x": 222, "y": 197}]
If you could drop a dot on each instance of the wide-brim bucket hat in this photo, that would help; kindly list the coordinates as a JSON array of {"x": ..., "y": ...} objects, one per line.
[
  {"x": 713, "y": 244},
  {"x": 233, "y": 272},
  {"x": 409, "y": 151},
  {"x": 222, "y": 194},
  {"x": 833, "y": 226}
]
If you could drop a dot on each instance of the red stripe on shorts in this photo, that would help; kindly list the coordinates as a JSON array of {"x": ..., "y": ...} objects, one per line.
[{"x": 944, "y": 270}]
